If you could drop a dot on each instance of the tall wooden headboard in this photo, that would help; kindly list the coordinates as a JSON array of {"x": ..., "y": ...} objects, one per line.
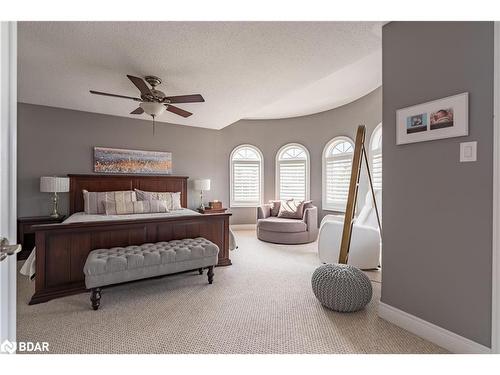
[{"x": 99, "y": 182}]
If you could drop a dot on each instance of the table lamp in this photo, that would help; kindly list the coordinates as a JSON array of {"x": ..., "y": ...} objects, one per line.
[
  {"x": 54, "y": 185},
  {"x": 202, "y": 185}
]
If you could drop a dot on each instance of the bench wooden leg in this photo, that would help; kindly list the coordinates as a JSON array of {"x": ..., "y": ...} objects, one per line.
[
  {"x": 210, "y": 274},
  {"x": 95, "y": 297},
  {"x": 200, "y": 270}
]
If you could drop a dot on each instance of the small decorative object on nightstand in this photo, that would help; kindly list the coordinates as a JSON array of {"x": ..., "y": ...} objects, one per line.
[
  {"x": 26, "y": 234},
  {"x": 54, "y": 185},
  {"x": 202, "y": 185},
  {"x": 215, "y": 205}
]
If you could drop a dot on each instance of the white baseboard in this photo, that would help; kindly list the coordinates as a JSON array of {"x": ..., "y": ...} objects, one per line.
[
  {"x": 431, "y": 332},
  {"x": 243, "y": 226}
]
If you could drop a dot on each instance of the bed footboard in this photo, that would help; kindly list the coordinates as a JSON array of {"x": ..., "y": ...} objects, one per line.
[{"x": 62, "y": 249}]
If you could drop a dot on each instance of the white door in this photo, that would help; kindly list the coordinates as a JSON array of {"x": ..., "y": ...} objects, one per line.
[{"x": 8, "y": 143}]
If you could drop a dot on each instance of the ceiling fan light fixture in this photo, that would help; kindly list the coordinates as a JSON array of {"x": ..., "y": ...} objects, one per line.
[
  {"x": 153, "y": 102},
  {"x": 152, "y": 108}
]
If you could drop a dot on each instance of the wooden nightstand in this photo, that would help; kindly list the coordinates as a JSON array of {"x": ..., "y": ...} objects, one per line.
[
  {"x": 208, "y": 210},
  {"x": 26, "y": 235}
]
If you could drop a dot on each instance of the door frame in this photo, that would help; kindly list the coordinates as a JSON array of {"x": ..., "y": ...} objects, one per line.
[
  {"x": 495, "y": 300},
  {"x": 8, "y": 176}
]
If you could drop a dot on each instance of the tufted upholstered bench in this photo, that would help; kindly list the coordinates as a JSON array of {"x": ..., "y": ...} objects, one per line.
[{"x": 121, "y": 264}]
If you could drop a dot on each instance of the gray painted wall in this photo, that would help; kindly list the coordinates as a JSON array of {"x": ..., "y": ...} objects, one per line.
[
  {"x": 437, "y": 217},
  {"x": 314, "y": 132},
  {"x": 54, "y": 141}
]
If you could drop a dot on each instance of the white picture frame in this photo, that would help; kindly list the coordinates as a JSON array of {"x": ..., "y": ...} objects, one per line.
[{"x": 443, "y": 118}]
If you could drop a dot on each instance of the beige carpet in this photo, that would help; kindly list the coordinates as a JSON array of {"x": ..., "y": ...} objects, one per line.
[{"x": 263, "y": 303}]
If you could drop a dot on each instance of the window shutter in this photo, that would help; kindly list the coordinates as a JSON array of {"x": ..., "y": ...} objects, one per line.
[
  {"x": 338, "y": 175},
  {"x": 377, "y": 170},
  {"x": 246, "y": 182},
  {"x": 376, "y": 157},
  {"x": 292, "y": 179}
]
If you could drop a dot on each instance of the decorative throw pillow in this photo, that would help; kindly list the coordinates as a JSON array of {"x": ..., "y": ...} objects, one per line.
[
  {"x": 137, "y": 207},
  {"x": 173, "y": 199},
  {"x": 291, "y": 209},
  {"x": 308, "y": 204},
  {"x": 176, "y": 201},
  {"x": 275, "y": 207},
  {"x": 93, "y": 201}
]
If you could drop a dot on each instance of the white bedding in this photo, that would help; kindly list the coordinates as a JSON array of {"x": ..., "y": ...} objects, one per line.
[
  {"x": 28, "y": 268},
  {"x": 82, "y": 217}
]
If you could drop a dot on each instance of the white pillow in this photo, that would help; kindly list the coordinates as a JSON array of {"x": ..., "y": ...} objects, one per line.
[
  {"x": 138, "y": 207},
  {"x": 173, "y": 199},
  {"x": 93, "y": 201},
  {"x": 291, "y": 209}
]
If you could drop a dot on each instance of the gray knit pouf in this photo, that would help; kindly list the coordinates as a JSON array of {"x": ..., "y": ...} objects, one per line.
[{"x": 341, "y": 287}]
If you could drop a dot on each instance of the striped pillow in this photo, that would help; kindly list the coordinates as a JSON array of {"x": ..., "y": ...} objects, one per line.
[
  {"x": 94, "y": 200},
  {"x": 138, "y": 207},
  {"x": 291, "y": 209},
  {"x": 173, "y": 199}
]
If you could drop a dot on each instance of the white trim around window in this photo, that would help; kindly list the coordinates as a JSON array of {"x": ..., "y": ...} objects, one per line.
[
  {"x": 334, "y": 193},
  {"x": 246, "y": 181},
  {"x": 294, "y": 164}
]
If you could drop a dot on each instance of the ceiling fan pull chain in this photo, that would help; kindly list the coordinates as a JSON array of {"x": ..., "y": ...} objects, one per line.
[{"x": 153, "y": 125}]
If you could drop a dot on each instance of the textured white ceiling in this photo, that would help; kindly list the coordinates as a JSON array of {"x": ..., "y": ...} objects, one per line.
[
  {"x": 243, "y": 69},
  {"x": 339, "y": 88}
]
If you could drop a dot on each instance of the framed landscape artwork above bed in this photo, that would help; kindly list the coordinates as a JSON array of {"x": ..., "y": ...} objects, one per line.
[{"x": 116, "y": 160}]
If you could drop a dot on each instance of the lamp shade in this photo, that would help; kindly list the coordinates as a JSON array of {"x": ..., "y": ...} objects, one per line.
[
  {"x": 202, "y": 184},
  {"x": 54, "y": 184},
  {"x": 152, "y": 108}
]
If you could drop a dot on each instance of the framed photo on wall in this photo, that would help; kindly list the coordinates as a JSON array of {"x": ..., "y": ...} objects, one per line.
[{"x": 442, "y": 118}]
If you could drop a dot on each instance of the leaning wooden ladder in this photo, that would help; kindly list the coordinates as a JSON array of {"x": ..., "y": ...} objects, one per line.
[{"x": 359, "y": 155}]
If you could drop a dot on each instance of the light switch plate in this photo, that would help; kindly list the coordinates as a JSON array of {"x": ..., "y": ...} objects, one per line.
[{"x": 468, "y": 151}]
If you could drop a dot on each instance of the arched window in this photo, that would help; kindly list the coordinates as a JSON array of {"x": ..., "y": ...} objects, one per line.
[
  {"x": 376, "y": 157},
  {"x": 337, "y": 164},
  {"x": 246, "y": 176},
  {"x": 292, "y": 172}
]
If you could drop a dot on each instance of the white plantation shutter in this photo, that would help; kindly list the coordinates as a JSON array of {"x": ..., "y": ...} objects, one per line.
[
  {"x": 292, "y": 172},
  {"x": 246, "y": 177},
  {"x": 337, "y": 165},
  {"x": 338, "y": 172},
  {"x": 376, "y": 157},
  {"x": 377, "y": 170},
  {"x": 292, "y": 180},
  {"x": 246, "y": 182}
]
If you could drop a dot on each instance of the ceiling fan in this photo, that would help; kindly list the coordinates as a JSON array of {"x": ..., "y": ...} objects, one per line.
[{"x": 154, "y": 102}]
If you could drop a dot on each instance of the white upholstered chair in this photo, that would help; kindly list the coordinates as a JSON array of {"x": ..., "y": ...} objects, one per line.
[{"x": 365, "y": 248}]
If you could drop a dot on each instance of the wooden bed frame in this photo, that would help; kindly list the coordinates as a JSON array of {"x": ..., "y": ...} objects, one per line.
[{"x": 62, "y": 249}]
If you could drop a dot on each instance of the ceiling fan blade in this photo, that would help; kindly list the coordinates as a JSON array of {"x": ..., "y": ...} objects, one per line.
[
  {"x": 178, "y": 111},
  {"x": 195, "y": 98},
  {"x": 137, "y": 111},
  {"x": 141, "y": 85},
  {"x": 114, "y": 95}
]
